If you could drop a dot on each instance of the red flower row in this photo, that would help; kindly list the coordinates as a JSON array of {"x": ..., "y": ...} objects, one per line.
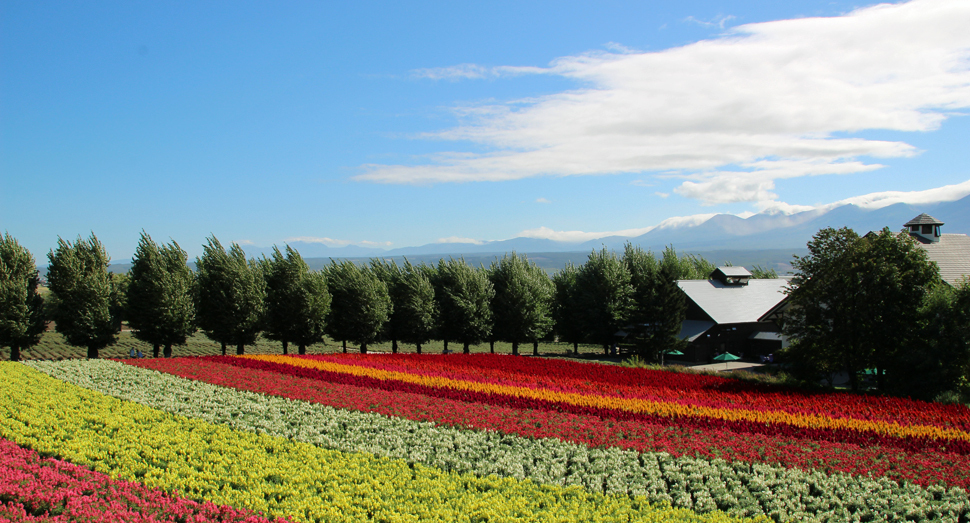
[
  {"x": 38, "y": 489},
  {"x": 839, "y": 435},
  {"x": 681, "y": 388},
  {"x": 922, "y": 467}
]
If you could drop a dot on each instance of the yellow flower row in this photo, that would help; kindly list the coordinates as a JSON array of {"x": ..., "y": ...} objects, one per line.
[
  {"x": 657, "y": 408},
  {"x": 277, "y": 476}
]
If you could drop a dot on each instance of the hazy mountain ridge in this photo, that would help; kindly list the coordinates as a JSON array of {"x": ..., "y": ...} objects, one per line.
[{"x": 761, "y": 231}]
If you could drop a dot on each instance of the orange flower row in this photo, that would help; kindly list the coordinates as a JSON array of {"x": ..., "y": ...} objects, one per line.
[{"x": 640, "y": 406}]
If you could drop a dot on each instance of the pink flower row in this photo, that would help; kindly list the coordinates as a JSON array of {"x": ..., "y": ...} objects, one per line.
[{"x": 33, "y": 488}]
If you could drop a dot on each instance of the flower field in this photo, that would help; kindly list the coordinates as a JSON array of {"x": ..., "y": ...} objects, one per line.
[{"x": 460, "y": 438}]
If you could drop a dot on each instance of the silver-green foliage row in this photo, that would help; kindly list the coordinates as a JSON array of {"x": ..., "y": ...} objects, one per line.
[{"x": 698, "y": 484}]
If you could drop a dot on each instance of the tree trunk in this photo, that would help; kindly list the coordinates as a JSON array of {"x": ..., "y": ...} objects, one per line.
[
  {"x": 15, "y": 352},
  {"x": 345, "y": 346},
  {"x": 394, "y": 346},
  {"x": 286, "y": 347},
  {"x": 363, "y": 348},
  {"x": 92, "y": 353},
  {"x": 240, "y": 349},
  {"x": 515, "y": 348},
  {"x": 853, "y": 378},
  {"x": 576, "y": 348},
  {"x": 302, "y": 348},
  {"x": 535, "y": 348},
  {"x": 491, "y": 346},
  {"x": 223, "y": 348},
  {"x": 168, "y": 350},
  {"x": 445, "y": 350},
  {"x": 155, "y": 348},
  {"x": 464, "y": 349},
  {"x": 419, "y": 347}
]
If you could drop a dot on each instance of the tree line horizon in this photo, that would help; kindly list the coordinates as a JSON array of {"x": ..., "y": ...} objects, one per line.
[
  {"x": 846, "y": 299},
  {"x": 232, "y": 298}
]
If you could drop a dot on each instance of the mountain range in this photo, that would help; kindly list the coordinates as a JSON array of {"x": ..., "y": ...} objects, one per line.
[{"x": 721, "y": 232}]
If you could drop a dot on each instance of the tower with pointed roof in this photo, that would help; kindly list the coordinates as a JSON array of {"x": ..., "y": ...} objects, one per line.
[
  {"x": 925, "y": 228},
  {"x": 950, "y": 252}
]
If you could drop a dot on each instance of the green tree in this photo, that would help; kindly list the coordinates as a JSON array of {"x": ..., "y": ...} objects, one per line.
[
  {"x": 78, "y": 279},
  {"x": 763, "y": 273},
  {"x": 361, "y": 304},
  {"x": 567, "y": 310},
  {"x": 413, "y": 318},
  {"x": 603, "y": 287},
  {"x": 523, "y": 301},
  {"x": 463, "y": 296},
  {"x": 231, "y": 295},
  {"x": 160, "y": 295},
  {"x": 119, "y": 298},
  {"x": 21, "y": 307},
  {"x": 937, "y": 361},
  {"x": 854, "y": 301},
  {"x": 297, "y": 301},
  {"x": 659, "y": 305}
]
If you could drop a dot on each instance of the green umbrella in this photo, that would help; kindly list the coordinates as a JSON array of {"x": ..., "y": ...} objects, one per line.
[
  {"x": 726, "y": 357},
  {"x": 674, "y": 353}
]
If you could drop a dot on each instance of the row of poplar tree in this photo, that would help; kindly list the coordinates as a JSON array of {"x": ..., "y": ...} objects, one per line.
[{"x": 233, "y": 300}]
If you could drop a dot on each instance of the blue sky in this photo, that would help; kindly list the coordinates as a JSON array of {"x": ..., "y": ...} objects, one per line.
[{"x": 393, "y": 125}]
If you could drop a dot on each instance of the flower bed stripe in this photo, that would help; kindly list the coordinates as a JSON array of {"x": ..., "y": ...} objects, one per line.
[
  {"x": 669, "y": 415},
  {"x": 47, "y": 489},
  {"x": 682, "y": 388},
  {"x": 739, "y": 487},
  {"x": 924, "y": 468},
  {"x": 275, "y": 475},
  {"x": 656, "y": 408}
]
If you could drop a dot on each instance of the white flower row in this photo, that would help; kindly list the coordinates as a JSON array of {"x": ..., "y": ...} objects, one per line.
[{"x": 740, "y": 489}]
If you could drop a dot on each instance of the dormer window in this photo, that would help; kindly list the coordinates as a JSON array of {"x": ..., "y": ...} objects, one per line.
[
  {"x": 927, "y": 229},
  {"x": 732, "y": 276},
  {"x": 937, "y": 231},
  {"x": 914, "y": 228}
]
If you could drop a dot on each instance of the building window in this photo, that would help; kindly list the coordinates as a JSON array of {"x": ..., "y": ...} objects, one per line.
[
  {"x": 937, "y": 232},
  {"x": 914, "y": 228},
  {"x": 927, "y": 229}
]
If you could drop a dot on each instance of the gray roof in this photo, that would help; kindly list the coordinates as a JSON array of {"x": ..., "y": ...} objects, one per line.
[
  {"x": 952, "y": 256},
  {"x": 735, "y": 303},
  {"x": 766, "y": 335},
  {"x": 923, "y": 219},
  {"x": 690, "y": 330},
  {"x": 734, "y": 271}
]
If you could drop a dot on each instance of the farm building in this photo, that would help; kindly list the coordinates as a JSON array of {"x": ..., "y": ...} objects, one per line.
[
  {"x": 951, "y": 252},
  {"x": 731, "y": 311}
]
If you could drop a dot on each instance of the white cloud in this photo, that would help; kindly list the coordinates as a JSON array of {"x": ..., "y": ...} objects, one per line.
[
  {"x": 330, "y": 242},
  {"x": 542, "y": 200},
  {"x": 581, "y": 236},
  {"x": 728, "y": 115},
  {"x": 459, "y": 239},
  {"x": 878, "y": 200},
  {"x": 662, "y": 194},
  {"x": 333, "y": 242},
  {"x": 718, "y": 21}
]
